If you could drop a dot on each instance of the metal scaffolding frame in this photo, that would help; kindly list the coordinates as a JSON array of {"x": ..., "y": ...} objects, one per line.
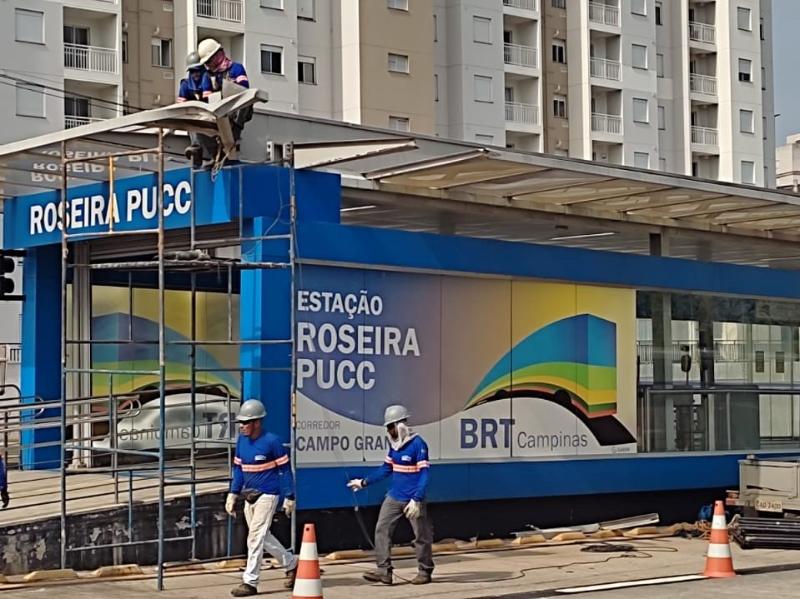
[{"x": 193, "y": 261}]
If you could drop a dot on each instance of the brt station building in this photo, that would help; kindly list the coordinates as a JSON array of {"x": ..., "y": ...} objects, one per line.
[{"x": 568, "y": 336}]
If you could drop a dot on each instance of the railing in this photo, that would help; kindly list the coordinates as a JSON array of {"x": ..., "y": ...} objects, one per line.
[
  {"x": 604, "y": 69},
  {"x": 224, "y": 10},
  {"x": 704, "y": 135},
  {"x": 90, "y": 58},
  {"x": 13, "y": 353},
  {"x": 517, "y": 112},
  {"x": 703, "y": 84},
  {"x": 71, "y": 121},
  {"x": 605, "y": 14},
  {"x": 702, "y": 32},
  {"x": 523, "y": 4},
  {"x": 606, "y": 123},
  {"x": 526, "y": 56}
]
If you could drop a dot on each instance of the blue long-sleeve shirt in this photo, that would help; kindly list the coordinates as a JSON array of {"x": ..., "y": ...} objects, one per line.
[
  {"x": 235, "y": 73},
  {"x": 3, "y": 479},
  {"x": 262, "y": 464},
  {"x": 194, "y": 89},
  {"x": 410, "y": 470}
]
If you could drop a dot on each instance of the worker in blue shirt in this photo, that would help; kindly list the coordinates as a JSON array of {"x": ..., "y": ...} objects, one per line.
[
  {"x": 193, "y": 87},
  {"x": 407, "y": 463},
  {"x": 225, "y": 76},
  {"x": 3, "y": 484},
  {"x": 262, "y": 475}
]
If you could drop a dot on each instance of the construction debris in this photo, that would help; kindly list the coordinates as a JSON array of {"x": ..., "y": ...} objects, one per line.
[
  {"x": 643, "y": 522},
  {"x": 767, "y": 533}
]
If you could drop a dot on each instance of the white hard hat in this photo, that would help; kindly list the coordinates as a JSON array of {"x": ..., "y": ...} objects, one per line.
[
  {"x": 252, "y": 409},
  {"x": 394, "y": 414},
  {"x": 207, "y": 48}
]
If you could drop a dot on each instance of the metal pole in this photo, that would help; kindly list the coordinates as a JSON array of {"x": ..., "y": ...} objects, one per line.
[
  {"x": 112, "y": 431},
  {"x": 193, "y": 375},
  {"x": 161, "y": 361},
  {"x": 63, "y": 451},
  {"x": 293, "y": 394}
]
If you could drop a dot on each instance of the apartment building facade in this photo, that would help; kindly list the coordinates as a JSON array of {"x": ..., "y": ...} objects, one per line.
[{"x": 680, "y": 85}]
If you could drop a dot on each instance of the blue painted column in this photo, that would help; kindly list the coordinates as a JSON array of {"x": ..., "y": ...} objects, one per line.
[
  {"x": 40, "y": 373},
  {"x": 265, "y": 300}
]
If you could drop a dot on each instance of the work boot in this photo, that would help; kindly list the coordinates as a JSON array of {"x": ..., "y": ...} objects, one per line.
[
  {"x": 244, "y": 590},
  {"x": 290, "y": 576},
  {"x": 195, "y": 153},
  {"x": 421, "y": 578},
  {"x": 378, "y": 576}
]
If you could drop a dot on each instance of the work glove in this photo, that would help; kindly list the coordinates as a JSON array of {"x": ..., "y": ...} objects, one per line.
[
  {"x": 230, "y": 504},
  {"x": 413, "y": 510},
  {"x": 288, "y": 506},
  {"x": 357, "y": 484},
  {"x": 4, "y": 496}
]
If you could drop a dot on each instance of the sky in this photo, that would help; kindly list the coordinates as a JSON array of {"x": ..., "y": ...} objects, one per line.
[{"x": 786, "y": 50}]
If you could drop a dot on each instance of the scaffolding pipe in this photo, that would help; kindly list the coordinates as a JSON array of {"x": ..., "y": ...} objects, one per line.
[
  {"x": 63, "y": 424},
  {"x": 161, "y": 359},
  {"x": 292, "y": 324}
]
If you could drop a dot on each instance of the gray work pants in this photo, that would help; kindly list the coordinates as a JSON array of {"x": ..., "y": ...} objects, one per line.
[{"x": 390, "y": 514}]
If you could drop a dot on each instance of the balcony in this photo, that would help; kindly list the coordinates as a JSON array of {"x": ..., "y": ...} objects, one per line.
[
  {"x": 703, "y": 84},
  {"x": 702, "y": 32},
  {"x": 90, "y": 58},
  {"x": 606, "y": 123},
  {"x": 604, "y": 14},
  {"x": 604, "y": 69},
  {"x": 704, "y": 136},
  {"x": 523, "y": 114},
  {"x": 70, "y": 121},
  {"x": 523, "y": 56},
  {"x": 223, "y": 10},
  {"x": 522, "y": 4}
]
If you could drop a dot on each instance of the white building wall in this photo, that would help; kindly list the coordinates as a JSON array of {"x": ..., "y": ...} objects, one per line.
[{"x": 734, "y": 95}]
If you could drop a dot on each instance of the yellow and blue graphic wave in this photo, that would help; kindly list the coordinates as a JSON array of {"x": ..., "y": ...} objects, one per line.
[{"x": 571, "y": 362}]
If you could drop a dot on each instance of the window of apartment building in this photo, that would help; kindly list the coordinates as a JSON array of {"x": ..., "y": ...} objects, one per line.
[
  {"x": 659, "y": 65},
  {"x": 399, "y": 123},
  {"x": 748, "y": 171},
  {"x": 639, "y": 56},
  {"x": 639, "y": 7},
  {"x": 558, "y": 3},
  {"x": 161, "y": 53},
  {"x": 168, "y": 6},
  {"x": 398, "y": 63},
  {"x": 560, "y": 106},
  {"x": 306, "y": 10},
  {"x": 74, "y": 106},
  {"x": 641, "y": 160},
  {"x": 481, "y": 30},
  {"x": 745, "y": 69},
  {"x": 482, "y": 88},
  {"x": 125, "y": 47},
  {"x": 662, "y": 118},
  {"x": 30, "y": 100},
  {"x": 482, "y": 138},
  {"x": 560, "y": 51},
  {"x": 746, "y": 123},
  {"x": 640, "y": 110},
  {"x": 78, "y": 36},
  {"x": 307, "y": 69},
  {"x": 397, "y": 4},
  {"x": 271, "y": 59},
  {"x": 662, "y": 165},
  {"x": 274, "y": 4},
  {"x": 29, "y": 26},
  {"x": 659, "y": 8},
  {"x": 744, "y": 18}
]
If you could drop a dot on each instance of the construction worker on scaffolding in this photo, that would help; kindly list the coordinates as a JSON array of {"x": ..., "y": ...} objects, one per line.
[
  {"x": 262, "y": 475},
  {"x": 407, "y": 463},
  {"x": 3, "y": 484}
]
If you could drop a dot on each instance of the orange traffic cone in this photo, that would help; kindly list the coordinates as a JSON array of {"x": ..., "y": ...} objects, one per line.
[
  {"x": 719, "y": 563},
  {"x": 307, "y": 584}
]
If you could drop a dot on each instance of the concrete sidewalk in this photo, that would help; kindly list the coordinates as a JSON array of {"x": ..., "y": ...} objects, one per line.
[{"x": 535, "y": 572}]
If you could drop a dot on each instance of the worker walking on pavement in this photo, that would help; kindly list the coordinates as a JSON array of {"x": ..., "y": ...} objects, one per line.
[
  {"x": 3, "y": 485},
  {"x": 262, "y": 475},
  {"x": 407, "y": 462}
]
